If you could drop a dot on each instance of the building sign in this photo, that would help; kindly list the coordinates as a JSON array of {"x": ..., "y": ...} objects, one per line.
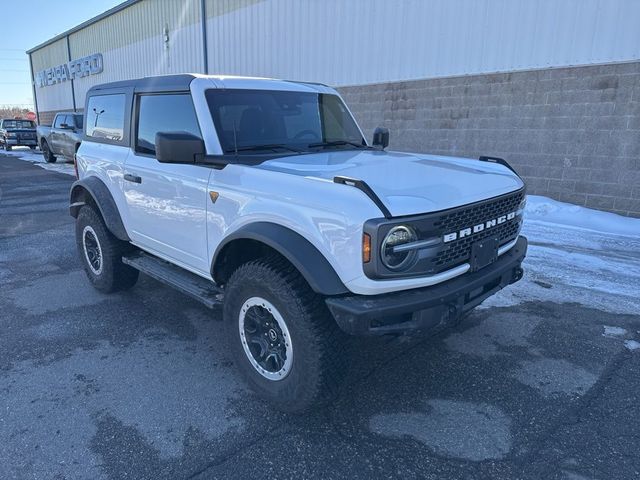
[{"x": 83, "y": 67}]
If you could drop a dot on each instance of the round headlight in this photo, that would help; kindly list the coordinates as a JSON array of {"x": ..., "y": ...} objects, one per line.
[{"x": 396, "y": 237}]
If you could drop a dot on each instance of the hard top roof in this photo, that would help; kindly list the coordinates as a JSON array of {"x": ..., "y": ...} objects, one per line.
[{"x": 181, "y": 82}]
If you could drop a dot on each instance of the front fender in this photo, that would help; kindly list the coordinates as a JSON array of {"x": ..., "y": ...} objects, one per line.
[
  {"x": 306, "y": 258},
  {"x": 93, "y": 190}
]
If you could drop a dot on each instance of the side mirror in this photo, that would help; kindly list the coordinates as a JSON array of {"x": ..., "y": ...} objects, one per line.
[
  {"x": 381, "y": 137},
  {"x": 178, "y": 147}
]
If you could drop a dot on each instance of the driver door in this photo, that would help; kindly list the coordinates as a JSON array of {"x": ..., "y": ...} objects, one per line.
[
  {"x": 167, "y": 203},
  {"x": 56, "y": 132}
]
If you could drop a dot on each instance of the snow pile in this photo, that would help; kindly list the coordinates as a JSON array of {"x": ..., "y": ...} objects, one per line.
[
  {"x": 613, "y": 331},
  {"x": 577, "y": 255},
  {"x": 35, "y": 156},
  {"x": 543, "y": 209},
  {"x": 632, "y": 344}
]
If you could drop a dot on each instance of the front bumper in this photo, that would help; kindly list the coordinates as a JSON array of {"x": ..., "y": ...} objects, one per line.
[
  {"x": 427, "y": 309},
  {"x": 21, "y": 142}
]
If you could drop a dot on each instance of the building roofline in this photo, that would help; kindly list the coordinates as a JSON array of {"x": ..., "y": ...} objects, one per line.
[{"x": 91, "y": 21}]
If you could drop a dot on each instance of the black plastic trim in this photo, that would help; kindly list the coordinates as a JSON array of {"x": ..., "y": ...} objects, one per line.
[
  {"x": 424, "y": 310},
  {"x": 501, "y": 161},
  {"x": 94, "y": 187},
  {"x": 311, "y": 264},
  {"x": 368, "y": 191}
]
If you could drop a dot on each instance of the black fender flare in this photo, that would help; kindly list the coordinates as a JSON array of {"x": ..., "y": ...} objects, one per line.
[
  {"x": 99, "y": 193},
  {"x": 301, "y": 253}
]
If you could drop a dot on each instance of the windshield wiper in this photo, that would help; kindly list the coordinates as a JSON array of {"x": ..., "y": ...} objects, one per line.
[
  {"x": 269, "y": 146},
  {"x": 337, "y": 143}
]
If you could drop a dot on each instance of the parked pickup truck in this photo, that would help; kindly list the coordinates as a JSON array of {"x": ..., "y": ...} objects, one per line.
[
  {"x": 264, "y": 196},
  {"x": 16, "y": 133},
  {"x": 63, "y": 138}
]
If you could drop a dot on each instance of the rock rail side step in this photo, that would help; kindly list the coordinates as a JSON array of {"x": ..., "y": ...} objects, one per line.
[{"x": 182, "y": 280}]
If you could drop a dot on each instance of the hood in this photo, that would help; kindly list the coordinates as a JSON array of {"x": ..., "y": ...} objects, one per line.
[{"x": 407, "y": 184}]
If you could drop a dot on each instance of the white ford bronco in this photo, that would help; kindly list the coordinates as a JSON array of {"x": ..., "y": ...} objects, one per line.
[{"x": 264, "y": 195}]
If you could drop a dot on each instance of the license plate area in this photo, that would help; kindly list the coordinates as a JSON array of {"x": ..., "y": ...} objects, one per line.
[{"x": 483, "y": 252}]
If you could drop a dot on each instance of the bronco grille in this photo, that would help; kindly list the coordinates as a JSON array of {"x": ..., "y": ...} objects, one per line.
[{"x": 459, "y": 251}]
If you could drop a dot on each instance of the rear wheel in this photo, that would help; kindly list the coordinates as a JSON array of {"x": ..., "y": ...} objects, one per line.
[
  {"x": 283, "y": 338},
  {"x": 101, "y": 253},
  {"x": 49, "y": 157}
]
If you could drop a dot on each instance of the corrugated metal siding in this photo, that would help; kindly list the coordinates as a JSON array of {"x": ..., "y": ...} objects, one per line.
[
  {"x": 54, "y": 97},
  {"x": 136, "y": 23},
  {"x": 132, "y": 42},
  {"x": 368, "y": 41},
  {"x": 52, "y": 55},
  {"x": 348, "y": 42}
]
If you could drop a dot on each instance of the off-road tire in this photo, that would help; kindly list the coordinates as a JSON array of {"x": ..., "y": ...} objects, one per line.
[
  {"x": 46, "y": 153},
  {"x": 113, "y": 275},
  {"x": 319, "y": 346}
]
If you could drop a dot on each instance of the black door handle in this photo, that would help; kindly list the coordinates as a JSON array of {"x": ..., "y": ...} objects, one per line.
[{"x": 132, "y": 178}]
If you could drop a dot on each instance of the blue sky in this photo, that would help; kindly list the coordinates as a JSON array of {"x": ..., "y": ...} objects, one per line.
[{"x": 27, "y": 23}]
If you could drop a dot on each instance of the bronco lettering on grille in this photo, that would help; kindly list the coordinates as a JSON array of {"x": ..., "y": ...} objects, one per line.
[{"x": 468, "y": 231}]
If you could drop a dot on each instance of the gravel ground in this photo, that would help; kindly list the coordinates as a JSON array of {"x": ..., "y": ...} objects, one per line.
[{"x": 541, "y": 382}]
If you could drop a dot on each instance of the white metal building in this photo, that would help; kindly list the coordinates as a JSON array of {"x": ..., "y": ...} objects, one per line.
[{"x": 358, "y": 43}]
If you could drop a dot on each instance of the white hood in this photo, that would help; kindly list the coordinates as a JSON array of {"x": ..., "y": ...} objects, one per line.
[{"x": 407, "y": 183}]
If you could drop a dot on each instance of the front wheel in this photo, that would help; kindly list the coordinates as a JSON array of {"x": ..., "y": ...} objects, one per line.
[
  {"x": 101, "y": 253},
  {"x": 283, "y": 338}
]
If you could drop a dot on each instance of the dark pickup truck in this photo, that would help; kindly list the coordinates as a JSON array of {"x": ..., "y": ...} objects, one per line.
[
  {"x": 15, "y": 133},
  {"x": 63, "y": 138}
]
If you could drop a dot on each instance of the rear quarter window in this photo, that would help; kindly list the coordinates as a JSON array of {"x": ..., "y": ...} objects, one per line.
[{"x": 106, "y": 117}]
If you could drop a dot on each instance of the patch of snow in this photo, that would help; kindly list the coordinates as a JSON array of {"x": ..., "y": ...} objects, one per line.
[
  {"x": 35, "y": 156},
  {"x": 632, "y": 344},
  {"x": 566, "y": 264},
  {"x": 546, "y": 210},
  {"x": 613, "y": 331}
]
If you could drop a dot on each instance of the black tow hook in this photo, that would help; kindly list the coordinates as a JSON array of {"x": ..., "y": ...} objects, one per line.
[{"x": 517, "y": 275}]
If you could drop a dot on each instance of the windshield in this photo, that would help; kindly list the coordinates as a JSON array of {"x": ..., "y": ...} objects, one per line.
[
  {"x": 18, "y": 124},
  {"x": 292, "y": 121}
]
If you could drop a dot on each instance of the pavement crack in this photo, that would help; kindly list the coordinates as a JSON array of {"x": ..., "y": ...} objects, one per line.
[
  {"x": 277, "y": 432},
  {"x": 574, "y": 416}
]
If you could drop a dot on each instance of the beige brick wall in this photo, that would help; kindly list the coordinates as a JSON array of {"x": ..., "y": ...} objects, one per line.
[{"x": 572, "y": 133}]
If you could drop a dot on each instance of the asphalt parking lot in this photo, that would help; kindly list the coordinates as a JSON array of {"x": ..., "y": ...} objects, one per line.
[{"x": 541, "y": 383}]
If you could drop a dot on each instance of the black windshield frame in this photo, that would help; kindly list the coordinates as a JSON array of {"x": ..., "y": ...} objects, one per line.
[{"x": 274, "y": 116}]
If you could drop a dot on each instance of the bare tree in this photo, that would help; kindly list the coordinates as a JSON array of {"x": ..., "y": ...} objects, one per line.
[{"x": 11, "y": 111}]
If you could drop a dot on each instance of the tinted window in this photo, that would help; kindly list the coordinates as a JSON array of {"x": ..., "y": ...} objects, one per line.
[
  {"x": 245, "y": 118},
  {"x": 164, "y": 113},
  {"x": 105, "y": 117},
  {"x": 60, "y": 119},
  {"x": 78, "y": 120},
  {"x": 18, "y": 124}
]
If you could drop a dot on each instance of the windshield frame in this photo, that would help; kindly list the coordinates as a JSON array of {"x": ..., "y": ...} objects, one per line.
[{"x": 288, "y": 147}]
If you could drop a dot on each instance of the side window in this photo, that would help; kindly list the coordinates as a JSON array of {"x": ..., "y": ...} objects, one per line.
[
  {"x": 337, "y": 120},
  {"x": 164, "y": 113},
  {"x": 60, "y": 119},
  {"x": 105, "y": 117}
]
